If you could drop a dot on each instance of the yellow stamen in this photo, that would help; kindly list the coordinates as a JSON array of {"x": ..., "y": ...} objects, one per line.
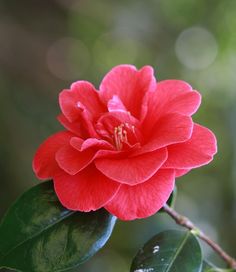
[{"x": 120, "y": 136}]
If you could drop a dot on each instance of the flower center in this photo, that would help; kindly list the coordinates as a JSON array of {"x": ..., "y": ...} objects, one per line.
[{"x": 124, "y": 134}]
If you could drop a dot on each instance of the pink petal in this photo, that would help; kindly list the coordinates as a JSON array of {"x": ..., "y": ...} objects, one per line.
[
  {"x": 75, "y": 127},
  {"x": 81, "y": 93},
  {"x": 129, "y": 85},
  {"x": 170, "y": 129},
  {"x": 76, "y": 143},
  {"x": 197, "y": 151},
  {"x": 83, "y": 126},
  {"x": 73, "y": 161},
  {"x": 78, "y": 154},
  {"x": 171, "y": 96},
  {"x": 115, "y": 104},
  {"x": 104, "y": 149},
  {"x": 142, "y": 200},
  {"x": 187, "y": 103},
  {"x": 132, "y": 170},
  {"x": 87, "y": 122},
  {"x": 86, "y": 191},
  {"x": 173, "y": 86},
  {"x": 181, "y": 172},
  {"x": 90, "y": 143},
  {"x": 44, "y": 163}
]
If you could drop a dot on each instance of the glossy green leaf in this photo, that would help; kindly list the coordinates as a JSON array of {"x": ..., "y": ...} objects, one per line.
[
  {"x": 208, "y": 267},
  {"x": 39, "y": 235},
  {"x": 169, "y": 251},
  {"x": 171, "y": 200}
]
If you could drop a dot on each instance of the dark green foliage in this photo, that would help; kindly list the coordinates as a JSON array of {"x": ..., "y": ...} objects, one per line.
[
  {"x": 172, "y": 251},
  {"x": 38, "y": 234}
]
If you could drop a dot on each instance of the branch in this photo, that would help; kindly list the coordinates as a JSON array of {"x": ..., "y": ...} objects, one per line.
[{"x": 187, "y": 223}]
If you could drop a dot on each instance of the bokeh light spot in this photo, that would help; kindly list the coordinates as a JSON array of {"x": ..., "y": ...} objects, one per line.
[{"x": 196, "y": 48}]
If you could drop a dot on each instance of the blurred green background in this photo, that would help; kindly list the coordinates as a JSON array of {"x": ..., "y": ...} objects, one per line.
[{"x": 46, "y": 45}]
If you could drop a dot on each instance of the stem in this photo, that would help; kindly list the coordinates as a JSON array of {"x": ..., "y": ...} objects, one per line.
[{"x": 187, "y": 223}]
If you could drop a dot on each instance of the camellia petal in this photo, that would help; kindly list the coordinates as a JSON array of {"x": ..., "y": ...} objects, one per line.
[
  {"x": 169, "y": 98},
  {"x": 81, "y": 145},
  {"x": 89, "y": 190},
  {"x": 87, "y": 122},
  {"x": 173, "y": 87},
  {"x": 104, "y": 149},
  {"x": 132, "y": 170},
  {"x": 74, "y": 127},
  {"x": 187, "y": 103},
  {"x": 181, "y": 172},
  {"x": 170, "y": 129},
  {"x": 81, "y": 93},
  {"x": 78, "y": 154},
  {"x": 197, "y": 151},
  {"x": 142, "y": 200},
  {"x": 72, "y": 161},
  {"x": 115, "y": 104},
  {"x": 44, "y": 163},
  {"x": 129, "y": 85}
]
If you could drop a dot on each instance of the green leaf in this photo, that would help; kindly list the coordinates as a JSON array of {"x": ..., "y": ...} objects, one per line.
[
  {"x": 171, "y": 200},
  {"x": 208, "y": 267},
  {"x": 169, "y": 251},
  {"x": 38, "y": 234}
]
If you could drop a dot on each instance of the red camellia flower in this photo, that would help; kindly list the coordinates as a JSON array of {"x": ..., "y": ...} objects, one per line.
[{"x": 124, "y": 145}]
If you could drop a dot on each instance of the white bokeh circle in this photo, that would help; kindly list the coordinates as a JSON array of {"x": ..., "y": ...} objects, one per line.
[{"x": 196, "y": 48}]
